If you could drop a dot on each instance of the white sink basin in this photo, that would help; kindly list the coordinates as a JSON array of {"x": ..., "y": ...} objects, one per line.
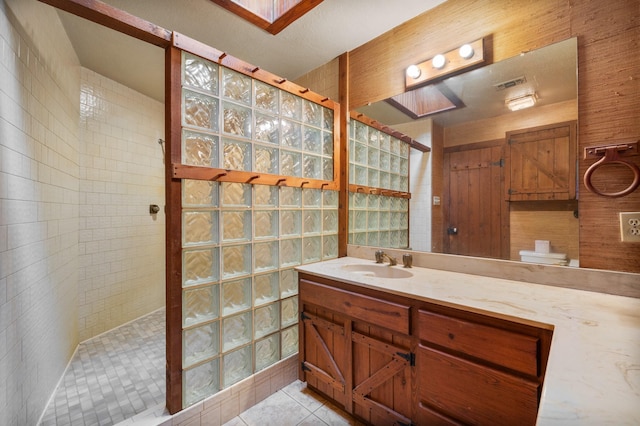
[{"x": 378, "y": 270}]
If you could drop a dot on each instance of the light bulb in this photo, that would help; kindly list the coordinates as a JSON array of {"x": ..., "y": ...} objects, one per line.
[
  {"x": 438, "y": 61},
  {"x": 466, "y": 51},
  {"x": 413, "y": 71}
]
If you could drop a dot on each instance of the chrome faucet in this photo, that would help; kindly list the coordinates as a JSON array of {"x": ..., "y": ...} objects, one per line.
[{"x": 380, "y": 255}]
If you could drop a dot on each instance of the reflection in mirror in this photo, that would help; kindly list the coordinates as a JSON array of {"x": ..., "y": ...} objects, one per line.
[
  {"x": 378, "y": 185},
  {"x": 496, "y": 180}
]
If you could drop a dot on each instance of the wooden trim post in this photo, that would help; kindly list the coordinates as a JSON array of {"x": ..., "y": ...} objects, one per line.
[
  {"x": 173, "y": 234},
  {"x": 343, "y": 195}
]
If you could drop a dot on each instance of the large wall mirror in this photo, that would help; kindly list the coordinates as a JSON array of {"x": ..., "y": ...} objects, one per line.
[{"x": 496, "y": 180}]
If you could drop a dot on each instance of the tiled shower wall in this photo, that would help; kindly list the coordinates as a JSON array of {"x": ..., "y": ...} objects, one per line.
[
  {"x": 121, "y": 274},
  {"x": 39, "y": 180},
  {"x": 420, "y": 184}
]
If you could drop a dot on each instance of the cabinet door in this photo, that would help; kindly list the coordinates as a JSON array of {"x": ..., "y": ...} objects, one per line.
[
  {"x": 323, "y": 353},
  {"x": 472, "y": 393},
  {"x": 382, "y": 367},
  {"x": 542, "y": 163}
]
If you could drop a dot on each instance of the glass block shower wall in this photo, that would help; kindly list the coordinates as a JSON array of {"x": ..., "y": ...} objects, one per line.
[
  {"x": 378, "y": 167},
  {"x": 240, "y": 241}
]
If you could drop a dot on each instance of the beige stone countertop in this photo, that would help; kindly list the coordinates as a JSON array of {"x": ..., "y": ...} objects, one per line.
[{"x": 593, "y": 372}]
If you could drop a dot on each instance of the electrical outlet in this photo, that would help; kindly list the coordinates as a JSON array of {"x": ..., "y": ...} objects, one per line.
[{"x": 630, "y": 227}]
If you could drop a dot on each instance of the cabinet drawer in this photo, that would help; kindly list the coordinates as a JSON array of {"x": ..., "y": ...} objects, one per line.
[
  {"x": 502, "y": 347},
  {"x": 472, "y": 393},
  {"x": 376, "y": 311}
]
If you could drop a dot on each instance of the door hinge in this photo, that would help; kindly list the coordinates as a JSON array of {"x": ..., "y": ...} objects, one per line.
[
  {"x": 303, "y": 316},
  {"x": 410, "y": 357},
  {"x": 499, "y": 163},
  {"x": 304, "y": 367}
]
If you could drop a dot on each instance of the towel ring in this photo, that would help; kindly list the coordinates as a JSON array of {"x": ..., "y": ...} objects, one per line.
[{"x": 611, "y": 155}]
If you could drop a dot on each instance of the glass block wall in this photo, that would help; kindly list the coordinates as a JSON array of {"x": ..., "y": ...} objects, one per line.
[
  {"x": 241, "y": 241},
  {"x": 378, "y": 167},
  {"x": 378, "y": 220},
  {"x": 232, "y": 121}
]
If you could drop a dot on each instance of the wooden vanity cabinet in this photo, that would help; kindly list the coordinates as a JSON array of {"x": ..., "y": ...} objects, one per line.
[
  {"x": 479, "y": 369},
  {"x": 355, "y": 349},
  {"x": 391, "y": 360}
]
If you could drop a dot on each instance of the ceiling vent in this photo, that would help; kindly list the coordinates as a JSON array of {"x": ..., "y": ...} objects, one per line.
[{"x": 510, "y": 83}]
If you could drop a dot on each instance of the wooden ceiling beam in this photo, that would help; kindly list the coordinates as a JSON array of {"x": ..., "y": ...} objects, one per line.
[{"x": 116, "y": 19}]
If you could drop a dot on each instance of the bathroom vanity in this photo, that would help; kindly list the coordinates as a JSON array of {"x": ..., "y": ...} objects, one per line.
[{"x": 422, "y": 346}]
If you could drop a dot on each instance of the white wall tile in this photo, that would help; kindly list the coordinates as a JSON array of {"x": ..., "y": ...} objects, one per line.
[
  {"x": 123, "y": 172},
  {"x": 420, "y": 186},
  {"x": 39, "y": 92}
]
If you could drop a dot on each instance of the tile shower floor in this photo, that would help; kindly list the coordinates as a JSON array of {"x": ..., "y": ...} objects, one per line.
[
  {"x": 113, "y": 376},
  {"x": 119, "y": 376}
]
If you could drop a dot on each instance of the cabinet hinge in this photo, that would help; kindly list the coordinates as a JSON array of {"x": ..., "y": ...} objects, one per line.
[
  {"x": 303, "y": 316},
  {"x": 410, "y": 357},
  {"x": 499, "y": 163},
  {"x": 304, "y": 367}
]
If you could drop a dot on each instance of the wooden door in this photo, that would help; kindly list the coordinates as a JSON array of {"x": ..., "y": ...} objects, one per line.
[
  {"x": 382, "y": 364},
  {"x": 475, "y": 213},
  {"x": 542, "y": 163},
  {"x": 325, "y": 363}
]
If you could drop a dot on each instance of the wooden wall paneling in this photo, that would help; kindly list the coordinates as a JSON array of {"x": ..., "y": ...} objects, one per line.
[
  {"x": 173, "y": 243},
  {"x": 343, "y": 150},
  {"x": 323, "y": 79},
  {"x": 609, "y": 105},
  {"x": 559, "y": 227},
  {"x": 378, "y": 66},
  {"x": 438, "y": 189}
]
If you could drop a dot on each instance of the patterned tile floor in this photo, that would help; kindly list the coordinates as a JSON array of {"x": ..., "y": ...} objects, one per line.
[
  {"x": 294, "y": 405},
  {"x": 113, "y": 376},
  {"x": 119, "y": 376}
]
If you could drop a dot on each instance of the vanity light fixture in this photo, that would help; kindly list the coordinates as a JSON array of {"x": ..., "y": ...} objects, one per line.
[
  {"x": 466, "y": 51},
  {"x": 413, "y": 71},
  {"x": 521, "y": 102},
  {"x": 453, "y": 61},
  {"x": 438, "y": 62}
]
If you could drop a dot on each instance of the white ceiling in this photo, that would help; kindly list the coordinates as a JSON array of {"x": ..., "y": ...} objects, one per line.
[{"x": 330, "y": 29}]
